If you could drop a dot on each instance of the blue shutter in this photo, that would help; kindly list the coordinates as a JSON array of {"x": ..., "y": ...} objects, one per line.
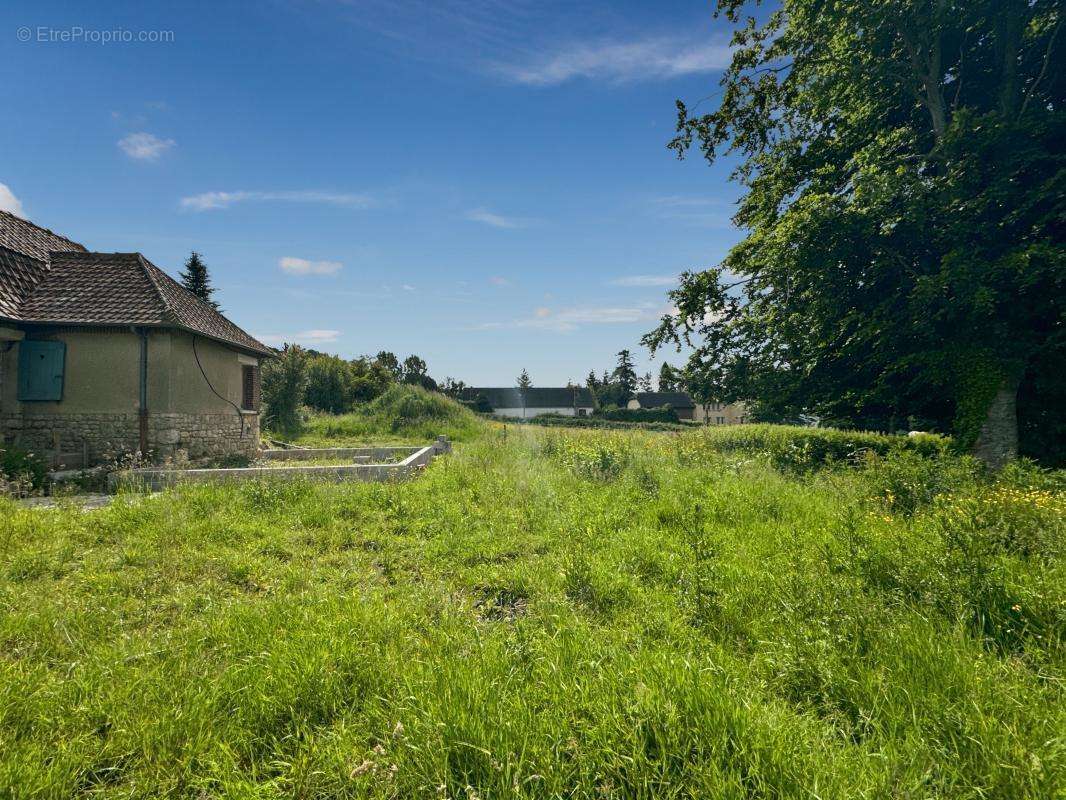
[{"x": 41, "y": 370}]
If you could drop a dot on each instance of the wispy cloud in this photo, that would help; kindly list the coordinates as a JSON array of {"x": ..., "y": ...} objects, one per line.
[
  {"x": 145, "y": 146},
  {"x": 311, "y": 337},
  {"x": 648, "y": 58},
  {"x": 571, "y": 319},
  {"x": 645, "y": 281},
  {"x": 10, "y": 203},
  {"x": 499, "y": 280},
  {"x": 486, "y": 217},
  {"x": 701, "y": 212},
  {"x": 303, "y": 266},
  {"x": 209, "y": 201}
]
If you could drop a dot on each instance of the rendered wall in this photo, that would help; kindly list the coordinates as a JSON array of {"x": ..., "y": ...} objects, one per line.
[{"x": 98, "y": 415}]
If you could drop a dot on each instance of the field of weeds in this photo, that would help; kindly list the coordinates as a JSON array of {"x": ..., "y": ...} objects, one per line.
[{"x": 550, "y": 613}]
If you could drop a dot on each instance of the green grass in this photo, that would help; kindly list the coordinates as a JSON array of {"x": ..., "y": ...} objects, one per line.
[
  {"x": 403, "y": 414},
  {"x": 546, "y": 614}
]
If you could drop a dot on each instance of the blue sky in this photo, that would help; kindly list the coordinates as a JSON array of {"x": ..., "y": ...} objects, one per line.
[{"x": 484, "y": 183}]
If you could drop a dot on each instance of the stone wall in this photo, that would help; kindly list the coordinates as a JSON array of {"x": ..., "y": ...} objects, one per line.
[{"x": 103, "y": 436}]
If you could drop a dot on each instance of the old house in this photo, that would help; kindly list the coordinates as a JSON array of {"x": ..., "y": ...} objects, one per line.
[
  {"x": 104, "y": 353},
  {"x": 711, "y": 413}
]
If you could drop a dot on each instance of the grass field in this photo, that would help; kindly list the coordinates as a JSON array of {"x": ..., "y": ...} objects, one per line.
[{"x": 549, "y": 614}]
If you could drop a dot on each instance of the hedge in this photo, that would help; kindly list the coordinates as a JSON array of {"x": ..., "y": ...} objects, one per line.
[
  {"x": 796, "y": 447},
  {"x": 561, "y": 421},
  {"x": 663, "y": 414}
]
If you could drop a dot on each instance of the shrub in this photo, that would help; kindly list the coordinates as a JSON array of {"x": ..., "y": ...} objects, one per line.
[
  {"x": 20, "y": 471},
  {"x": 330, "y": 382},
  {"x": 905, "y": 480},
  {"x": 284, "y": 386}
]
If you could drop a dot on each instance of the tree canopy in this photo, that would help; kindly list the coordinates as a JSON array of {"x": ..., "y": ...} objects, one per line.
[{"x": 904, "y": 200}]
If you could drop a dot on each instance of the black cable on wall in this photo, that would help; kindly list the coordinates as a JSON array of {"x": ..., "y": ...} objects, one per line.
[{"x": 240, "y": 414}]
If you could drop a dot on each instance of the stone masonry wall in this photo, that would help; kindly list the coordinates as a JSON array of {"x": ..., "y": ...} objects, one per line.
[{"x": 107, "y": 435}]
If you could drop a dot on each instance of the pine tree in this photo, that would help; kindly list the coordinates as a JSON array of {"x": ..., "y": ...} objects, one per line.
[
  {"x": 524, "y": 381},
  {"x": 625, "y": 375},
  {"x": 196, "y": 279},
  {"x": 669, "y": 379}
]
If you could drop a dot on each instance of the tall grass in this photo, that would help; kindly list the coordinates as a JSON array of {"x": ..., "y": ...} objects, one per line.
[{"x": 545, "y": 614}]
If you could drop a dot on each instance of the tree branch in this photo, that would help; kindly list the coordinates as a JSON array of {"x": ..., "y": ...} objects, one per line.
[{"x": 1043, "y": 70}]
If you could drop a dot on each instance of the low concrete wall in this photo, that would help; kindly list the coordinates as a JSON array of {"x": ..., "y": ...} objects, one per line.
[
  {"x": 156, "y": 479},
  {"x": 355, "y": 453}
]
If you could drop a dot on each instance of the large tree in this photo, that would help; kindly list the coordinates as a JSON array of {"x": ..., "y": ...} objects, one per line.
[
  {"x": 197, "y": 280},
  {"x": 904, "y": 201}
]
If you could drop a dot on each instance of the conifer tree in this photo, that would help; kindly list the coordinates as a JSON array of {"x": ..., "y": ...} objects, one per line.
[{"x": 197, "y": 280}]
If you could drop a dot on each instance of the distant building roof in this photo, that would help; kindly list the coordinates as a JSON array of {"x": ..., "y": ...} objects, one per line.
[
  {"x": 659, "y": 399},
  {"x": 74, "y": 287},
  {"x": 534, "y": 397}
]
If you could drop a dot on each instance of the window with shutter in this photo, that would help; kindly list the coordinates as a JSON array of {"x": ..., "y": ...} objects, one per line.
[
  {"x": 41, "y": 365},
  {"x": 248, "y": 387}
]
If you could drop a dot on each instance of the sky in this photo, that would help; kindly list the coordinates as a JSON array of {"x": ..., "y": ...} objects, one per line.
[{"x": 484, "y": 183}]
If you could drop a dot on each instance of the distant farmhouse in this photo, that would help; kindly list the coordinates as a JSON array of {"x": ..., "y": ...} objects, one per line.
[
  {"x": 710, "y": 413},
  {"x": 532, "y": 402},
  {"x": 577, "y": 402},
  {"x": 103, "y": 353}
]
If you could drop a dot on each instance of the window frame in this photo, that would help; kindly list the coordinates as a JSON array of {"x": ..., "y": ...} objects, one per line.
[{"x": 248, "y": 392}]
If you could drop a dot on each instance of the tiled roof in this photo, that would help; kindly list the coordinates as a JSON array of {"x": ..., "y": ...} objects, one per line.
[
  {"x": 45, "y": 277},
  {"x": 659, "y": 399},
  {"x": 18, "y": 275},
  {"x": 24, "y": 237},
  {"x": 124, "y": 289},
  {"x": 534, "y": 397}
]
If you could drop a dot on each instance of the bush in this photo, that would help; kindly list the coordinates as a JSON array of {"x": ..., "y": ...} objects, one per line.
[
  {"x": 663, "y": 414},
  {"x": 284, "y": 386},
  {"x": 20, "y": 471},
  {"x": 905, "y": 480},
  {"x": 330, "y": 382}
]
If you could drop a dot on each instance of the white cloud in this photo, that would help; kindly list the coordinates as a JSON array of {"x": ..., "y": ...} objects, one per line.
[
  {"x": 499, "y": 280},
  {"x": 645, "y": 280},
  {"x": 487, "y": 217},
  {"x": 570, "y": 319},
  {"x": 408, "y": 287},
  {"x": 650, "y": 58},
  {"x": 10, "y": 203},
  {"x": 302, "y": 266},
  {"x": 312, "y": 337},
  {"x": 145, "y": 146},
  {"x": 213, "y": 200}
]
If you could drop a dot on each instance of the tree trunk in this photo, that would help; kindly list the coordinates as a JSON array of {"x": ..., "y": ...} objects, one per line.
[{"x": 997, "y": 443}]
